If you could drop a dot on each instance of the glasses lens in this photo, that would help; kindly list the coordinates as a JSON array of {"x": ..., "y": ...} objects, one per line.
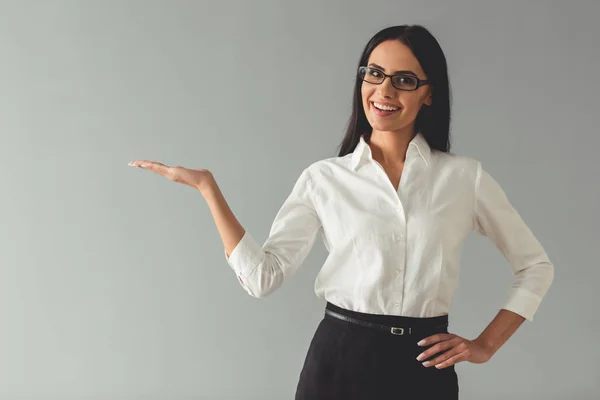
[
  {"x": 371, "y": 75},
  {"x": 404, "y": 82}
]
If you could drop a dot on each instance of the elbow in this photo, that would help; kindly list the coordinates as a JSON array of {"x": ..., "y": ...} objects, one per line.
[
  {"x": 540, "y": 277},
  {"x": 253, "y": 290},
  {"x": 265, "y": 279},
  {"x": 260, "y": 294},
  {"x": 263, "y": 288},
  {"x": 536, "y": 277},
  {"x": 550, "y": 274},
  {"x": 259, "y": 291},
  {"x": 546, "y": 270}
]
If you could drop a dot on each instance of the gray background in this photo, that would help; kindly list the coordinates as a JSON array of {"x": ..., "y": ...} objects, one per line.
[{"x": 113, "y": 281}]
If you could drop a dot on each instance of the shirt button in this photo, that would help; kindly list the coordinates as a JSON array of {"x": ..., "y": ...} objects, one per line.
[
  {"x": 398, "y": 270},
  {"x": 396, "y": 303}
]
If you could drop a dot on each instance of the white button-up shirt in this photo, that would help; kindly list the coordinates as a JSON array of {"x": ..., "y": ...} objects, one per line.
[{"x": 393, "y": 252}]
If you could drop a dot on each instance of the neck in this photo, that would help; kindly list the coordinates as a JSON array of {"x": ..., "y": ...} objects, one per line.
[{"x": 389, "y": 147}]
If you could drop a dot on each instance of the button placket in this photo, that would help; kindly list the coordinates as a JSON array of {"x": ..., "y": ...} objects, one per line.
[{"x": 400, "y": 239}]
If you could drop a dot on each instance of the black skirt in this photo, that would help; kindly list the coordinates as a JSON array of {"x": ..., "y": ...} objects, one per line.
[{"x": 349, "y": 361}]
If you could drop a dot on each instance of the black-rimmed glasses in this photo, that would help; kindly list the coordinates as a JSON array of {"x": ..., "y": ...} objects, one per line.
[{"x": 399, "y": 81}]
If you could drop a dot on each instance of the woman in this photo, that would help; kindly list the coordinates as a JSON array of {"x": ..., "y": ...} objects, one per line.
[{"x": 393, "y": 209}]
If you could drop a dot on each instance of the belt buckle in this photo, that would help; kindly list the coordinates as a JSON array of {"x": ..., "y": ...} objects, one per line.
[{"x": 397, "y": 331}]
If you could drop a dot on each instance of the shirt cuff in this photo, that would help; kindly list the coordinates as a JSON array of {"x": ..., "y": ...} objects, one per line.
[
  {"x": 245, "y": 257},
  {"x": 523, "y": 302}
]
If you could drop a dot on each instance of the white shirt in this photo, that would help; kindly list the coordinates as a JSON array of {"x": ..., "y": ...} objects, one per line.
[{"x": 393, "y": 252}]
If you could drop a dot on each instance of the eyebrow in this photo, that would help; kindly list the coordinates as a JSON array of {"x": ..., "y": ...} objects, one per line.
[{"x": 396, "y": 72}]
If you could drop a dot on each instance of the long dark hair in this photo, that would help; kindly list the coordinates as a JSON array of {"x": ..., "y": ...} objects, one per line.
[{"x": 433, "y": 121}]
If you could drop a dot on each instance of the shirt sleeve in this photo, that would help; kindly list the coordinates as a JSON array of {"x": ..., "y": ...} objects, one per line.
[
  {"x": 263, "y": 269},
  {"x": 496, "y": 218}
]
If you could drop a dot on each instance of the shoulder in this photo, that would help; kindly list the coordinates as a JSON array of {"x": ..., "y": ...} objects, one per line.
[
  {"x": 451, "y": 159},
  {"x": 316, "y": 169},
  {"x": 327, "y": 166},
  {"x": 458, "y": 165}
]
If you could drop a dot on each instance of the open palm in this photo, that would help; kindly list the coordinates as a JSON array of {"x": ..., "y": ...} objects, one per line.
[{"x": 195, "y": 178}]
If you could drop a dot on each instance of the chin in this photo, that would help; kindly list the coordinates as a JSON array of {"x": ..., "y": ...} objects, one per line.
[{"x": 385, "y": 127}]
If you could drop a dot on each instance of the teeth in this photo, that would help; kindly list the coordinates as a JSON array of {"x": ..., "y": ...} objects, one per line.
[{"x": 384, "y": 108}]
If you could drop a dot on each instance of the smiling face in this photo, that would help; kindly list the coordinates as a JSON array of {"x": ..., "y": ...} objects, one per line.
[{"x": 391, "y": 57}]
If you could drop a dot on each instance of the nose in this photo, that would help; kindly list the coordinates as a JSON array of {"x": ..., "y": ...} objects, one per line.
[{"x": 386, "y": 89}]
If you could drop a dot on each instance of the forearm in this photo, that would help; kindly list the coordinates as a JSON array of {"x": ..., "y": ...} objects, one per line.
[
  {"x": 502, "y": 327},
  {"x": 230, "y": 229}
]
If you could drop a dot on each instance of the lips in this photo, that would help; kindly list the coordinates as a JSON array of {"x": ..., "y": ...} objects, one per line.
[
  {"x": 381, "y": 103},
  {"x": 383, "y": 113}
]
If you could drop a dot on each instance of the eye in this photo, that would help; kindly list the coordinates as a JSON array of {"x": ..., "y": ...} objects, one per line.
[
  {"x": 406, "y": 80},
  {"x": 374, "y": 72}
]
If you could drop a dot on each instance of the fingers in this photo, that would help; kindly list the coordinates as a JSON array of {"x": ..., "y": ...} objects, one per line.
[
  {"x": 458, "y": 351},
  {"x": 437, "y": 348},
  {"x": 153, "y": 166},
  {"x": 145, "y": 163},
  {"x": 451, "y": 360},
  {"x": 196, "y": 179},
  {"x": 435, "y": 338}
]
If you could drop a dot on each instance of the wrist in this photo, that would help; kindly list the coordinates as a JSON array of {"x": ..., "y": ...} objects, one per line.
[
  {"x": 208, "y": 185},
  {"x": 487, "y": 345}
]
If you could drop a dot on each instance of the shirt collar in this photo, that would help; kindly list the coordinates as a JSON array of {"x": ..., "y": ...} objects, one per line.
[{"x": 418, "y": 145}]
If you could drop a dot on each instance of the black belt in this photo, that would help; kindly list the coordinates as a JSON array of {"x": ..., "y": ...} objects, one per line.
[{"x": 391, "y": 329}]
